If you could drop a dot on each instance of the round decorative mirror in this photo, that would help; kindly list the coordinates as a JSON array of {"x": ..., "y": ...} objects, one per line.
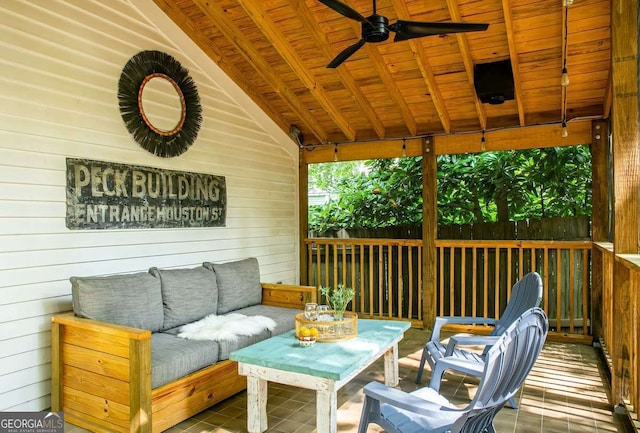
[
  {"x": 159, "y": 103},
  {"x": 162, "y": 104}
]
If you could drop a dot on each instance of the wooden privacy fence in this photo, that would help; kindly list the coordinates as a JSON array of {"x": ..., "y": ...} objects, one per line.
[{"x": 473, "y": 278}]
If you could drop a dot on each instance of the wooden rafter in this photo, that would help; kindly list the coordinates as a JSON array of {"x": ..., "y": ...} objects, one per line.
[
  {"x": 387, "y": 79},
  {"x": 257, "y": 61},
  {"x": 279, "y": 42},
  {"x": 320, "y": 39},
  {"x": 513, "y": 54},
  {"x": 425, "y": 69},
  {"x": 465, "y": 52},
  {"x": 169, "y": 8}
]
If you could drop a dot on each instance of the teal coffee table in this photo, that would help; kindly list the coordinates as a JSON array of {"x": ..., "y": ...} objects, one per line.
[{"x": 324, "y": 367}]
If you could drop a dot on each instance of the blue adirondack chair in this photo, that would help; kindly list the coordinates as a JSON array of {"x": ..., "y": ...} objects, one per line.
[
  {"x": 506, "y": 366},
  {"x": 525, "y": 294}
]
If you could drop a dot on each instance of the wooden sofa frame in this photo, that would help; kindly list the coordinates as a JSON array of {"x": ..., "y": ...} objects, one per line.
[{"x": 101, "y": 373}]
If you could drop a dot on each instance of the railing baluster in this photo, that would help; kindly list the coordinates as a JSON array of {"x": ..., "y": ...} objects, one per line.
[
  {"x": 419, "y": 285},
  {"x": 486, "y": 283},
  {"x": 410, "y": 273},
  {"x": 586, "y": 327},
  {"x": 389, "y": 281},
  {"x": 400, "y": 283},
  {"x": 452, "y": 279},
  {"x": 441, "y": 303},
  {"x": 381, "y": 279},
  {"x": 558, "y": 289},
  {"x": 572, "y": 299},
  {"x": 371, "y": 298},
  {"x": 545, "y": 280},
  {"x": 520, "y": 263},
  {"x": 463, "y": 281},
  {"x": 496, "y": 285},
  {"x": 509, "y": 270}
]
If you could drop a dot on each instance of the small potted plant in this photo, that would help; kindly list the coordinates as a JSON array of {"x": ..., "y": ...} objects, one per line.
[{"x": 338, "y": 299}]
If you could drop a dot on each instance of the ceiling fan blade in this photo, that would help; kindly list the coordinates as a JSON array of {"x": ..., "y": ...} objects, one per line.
[
  {"x": 343, "y": 9},
  {"x": 414, "y": 29},
  {"x": 345, "y": 54}
]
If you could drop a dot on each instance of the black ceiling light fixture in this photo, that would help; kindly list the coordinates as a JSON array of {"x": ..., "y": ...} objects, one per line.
[
  {"x": 376, "y": 28},
  {"x": 494, "y": 82},
  {"x": 136, "y": 74}
]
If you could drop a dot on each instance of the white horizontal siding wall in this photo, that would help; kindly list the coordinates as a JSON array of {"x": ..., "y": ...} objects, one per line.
[{"x": 60, "y": 64}]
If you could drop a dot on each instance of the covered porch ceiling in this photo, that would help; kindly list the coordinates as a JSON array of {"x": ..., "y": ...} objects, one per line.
[{"x": 277, "y": 52}]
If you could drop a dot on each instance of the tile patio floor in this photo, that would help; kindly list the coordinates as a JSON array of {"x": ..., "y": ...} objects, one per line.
[{"x": 563, "y": 393}]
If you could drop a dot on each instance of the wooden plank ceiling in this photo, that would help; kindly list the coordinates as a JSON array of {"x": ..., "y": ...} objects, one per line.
[{"x": 277, "y": 52}]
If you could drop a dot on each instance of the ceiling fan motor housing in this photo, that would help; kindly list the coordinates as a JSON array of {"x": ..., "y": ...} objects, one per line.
[{"x": 375, "y": 29}]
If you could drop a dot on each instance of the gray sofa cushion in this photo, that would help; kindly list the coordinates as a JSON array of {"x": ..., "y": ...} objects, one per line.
[
  {"x": 238, "y": 284},
  {"x": 284, "y": 318},
  {"x": 226, "y": 347},
  {"x": 187, "y": 294},
  {"x": 130, "y": 300},
  {"x": 173, "y": 357}
]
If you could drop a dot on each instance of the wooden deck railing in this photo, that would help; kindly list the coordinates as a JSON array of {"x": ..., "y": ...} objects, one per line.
[
  {"x": 618, "y": 329},
  {"x": 474, "y": 278}
]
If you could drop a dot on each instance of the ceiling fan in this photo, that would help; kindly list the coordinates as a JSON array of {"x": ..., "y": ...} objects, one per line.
[{"x": 375, "y": 28}]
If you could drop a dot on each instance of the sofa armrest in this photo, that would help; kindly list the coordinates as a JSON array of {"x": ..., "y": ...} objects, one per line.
[
  {"x": 101, "y": 373},
  {"x": 283, "y": 295}
]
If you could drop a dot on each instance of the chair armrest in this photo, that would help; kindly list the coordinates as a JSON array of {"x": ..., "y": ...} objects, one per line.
[
  {"x": 289, "y": 296},
  {"x": 403, "y": 400},
  {"x": 454, "y": 363},
  {"x": 456, "y": 320},
  {"x": 469, "y": 340}
]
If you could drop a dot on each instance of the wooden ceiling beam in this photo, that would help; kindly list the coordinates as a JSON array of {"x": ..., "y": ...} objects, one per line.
[
  {"x": 515, "y": 65},
  {"x": 176, "y": 15},
  {"x": 303, "y": 13},
  {"x": 257, "y": 61},
  {"x": 520, "y": 138},
  {"x": 269, "y": 29},
  {"x": 425, "y": 69},
  {"x": 465, "y": 52}
]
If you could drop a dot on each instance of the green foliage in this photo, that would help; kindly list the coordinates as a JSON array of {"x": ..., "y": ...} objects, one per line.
[
  {"x": 338, "y": 298},
  {"x": 485, "y": 187}
]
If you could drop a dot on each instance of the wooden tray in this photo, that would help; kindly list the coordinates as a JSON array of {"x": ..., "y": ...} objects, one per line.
[{"x": 330, "y": 331}]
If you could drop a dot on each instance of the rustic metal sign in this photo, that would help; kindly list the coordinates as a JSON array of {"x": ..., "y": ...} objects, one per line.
[{"x": 106, "y": 195}]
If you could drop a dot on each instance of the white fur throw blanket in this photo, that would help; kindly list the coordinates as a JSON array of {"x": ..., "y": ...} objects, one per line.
[{"x": 228, "y": 327}]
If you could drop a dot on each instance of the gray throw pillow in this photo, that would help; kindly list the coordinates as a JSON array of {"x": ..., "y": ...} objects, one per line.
[
  {"x": 131, "y": 300},
  {"x": 187, "y": 294},
  {"x": 238, "y": 284}
]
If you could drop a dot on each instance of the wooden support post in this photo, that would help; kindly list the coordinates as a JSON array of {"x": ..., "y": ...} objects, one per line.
[
  {"x": 429, "y": 230},
  {"x": 303, "y": 206},
  {"x": 600, "y": 217},
  {"x": 56, "y": 367},
  {"x": 626, "y": 181},
  {"x": 140, "y": 386}
]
